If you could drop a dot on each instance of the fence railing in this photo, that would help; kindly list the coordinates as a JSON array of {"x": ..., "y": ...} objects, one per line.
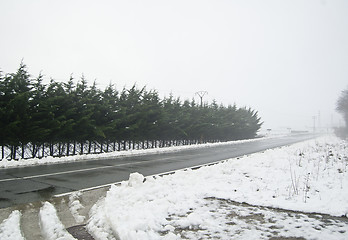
[{"x": 33, "y": 150}]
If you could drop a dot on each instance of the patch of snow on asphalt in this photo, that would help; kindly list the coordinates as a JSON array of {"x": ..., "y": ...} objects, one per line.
[
  {"x": 311, "y": 176},
  {"x": 75, "y": 206},
  {"x": 10, "y": 227},
  {"x": 51, "y": 226}
]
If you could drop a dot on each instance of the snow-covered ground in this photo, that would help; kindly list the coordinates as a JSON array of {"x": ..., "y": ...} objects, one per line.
[
  {"x": 273, "y": 194},
  {"x": 201, "y": 204}
]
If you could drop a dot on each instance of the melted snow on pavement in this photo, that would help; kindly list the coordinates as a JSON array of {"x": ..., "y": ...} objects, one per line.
[{"x": 192, "y": 204}]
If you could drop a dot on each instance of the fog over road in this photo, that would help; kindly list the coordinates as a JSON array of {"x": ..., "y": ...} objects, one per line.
[{"x": 36, "y": 183}]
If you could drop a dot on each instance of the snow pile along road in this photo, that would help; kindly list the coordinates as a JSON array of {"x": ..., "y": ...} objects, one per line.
[
  {"x": 310, "y": 177},
  {"x": 75, "y": 206},
  {"x": 10, "y": 227},
  {"x": 51, "y": 227}
]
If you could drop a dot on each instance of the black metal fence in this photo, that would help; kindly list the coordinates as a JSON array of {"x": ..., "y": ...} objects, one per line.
[{"x": 32, "y": 150}]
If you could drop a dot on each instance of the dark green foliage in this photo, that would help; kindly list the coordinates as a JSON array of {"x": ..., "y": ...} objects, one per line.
[
  {"x": 31, "y": 111},
  {"x": 15, "y": 93}
]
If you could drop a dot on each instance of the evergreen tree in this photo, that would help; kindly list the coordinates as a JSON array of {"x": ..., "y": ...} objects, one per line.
[
  {"x": 15, "y": 113},
  {"x": 107, "y": 114},
  {"x": 150, "y": 115},
  {"x": 41, "y": 116},
  {"x": 169, "y": 123},
  {"x": 31, "y": 111},
  {"x": 342, "y": 107},
  {"x": 58, "y": 103}
]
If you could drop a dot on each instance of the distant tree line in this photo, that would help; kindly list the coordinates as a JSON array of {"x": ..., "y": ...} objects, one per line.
[
  {"x": 342, "y": 107},
  {"x": 37, "y": 113}
]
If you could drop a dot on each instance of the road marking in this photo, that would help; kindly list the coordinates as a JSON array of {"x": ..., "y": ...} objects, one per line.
[
  {"x": 112, "y": 166},
  {"x": 153, "y": 175},
  {"x": 81, "y": 170}
]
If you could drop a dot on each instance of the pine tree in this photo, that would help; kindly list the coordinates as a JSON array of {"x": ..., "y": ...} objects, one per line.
[
  {"x": 60, "y": 113},
  {"x": 342, "y": 108},
  {"x": 40, "y": 114},
  {"x": 17, "y": 92}
]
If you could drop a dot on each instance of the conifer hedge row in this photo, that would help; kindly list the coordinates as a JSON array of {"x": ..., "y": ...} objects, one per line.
[{"x": 35, "y": 113}]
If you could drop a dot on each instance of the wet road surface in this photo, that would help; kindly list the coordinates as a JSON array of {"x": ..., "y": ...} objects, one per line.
[{"x": 37, "y": 183}]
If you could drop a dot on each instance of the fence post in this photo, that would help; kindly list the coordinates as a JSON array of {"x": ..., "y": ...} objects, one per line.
[
  {"x": 22, "y": 155},
  {"x": 59, "y": 149},
  {"x": 14, "y": 152},
  {"x": 33, "y": 152},
  {"x": 67, "y": 148}
]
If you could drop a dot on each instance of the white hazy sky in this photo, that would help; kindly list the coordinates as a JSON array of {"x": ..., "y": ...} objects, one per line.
[{"x": 288, "y": 59}]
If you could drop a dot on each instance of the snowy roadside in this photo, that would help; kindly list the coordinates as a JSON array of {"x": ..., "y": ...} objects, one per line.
[
  {"x": 4, "y": 163},
  {"x": 240, "y": 198},
  {"x": 310, "y": 177}
]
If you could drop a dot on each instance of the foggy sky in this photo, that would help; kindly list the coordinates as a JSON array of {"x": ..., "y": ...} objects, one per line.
[{"x": 287, "y": 59}]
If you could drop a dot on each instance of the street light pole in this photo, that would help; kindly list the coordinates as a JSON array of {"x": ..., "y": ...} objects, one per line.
[
  {"x": 201, "y": 94},
  {"x": 314, "y": 117}
]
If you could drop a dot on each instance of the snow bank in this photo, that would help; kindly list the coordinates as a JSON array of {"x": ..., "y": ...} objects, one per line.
[
  {"x": 310, "y": 176},
  {"x": 98, "y": 226},
  {"x": 10, "y": 228},
  {"x": 51, "y": 227}
]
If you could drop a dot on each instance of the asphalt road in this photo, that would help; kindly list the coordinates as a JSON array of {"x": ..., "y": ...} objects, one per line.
[{"x": 36, "y": 183}]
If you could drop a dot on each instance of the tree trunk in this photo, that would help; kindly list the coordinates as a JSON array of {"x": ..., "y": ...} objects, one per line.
[
  {"x": 89, "y": 147},
  {"x": 51, "y": 149},
  {"x": 74, "y": 149}
]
